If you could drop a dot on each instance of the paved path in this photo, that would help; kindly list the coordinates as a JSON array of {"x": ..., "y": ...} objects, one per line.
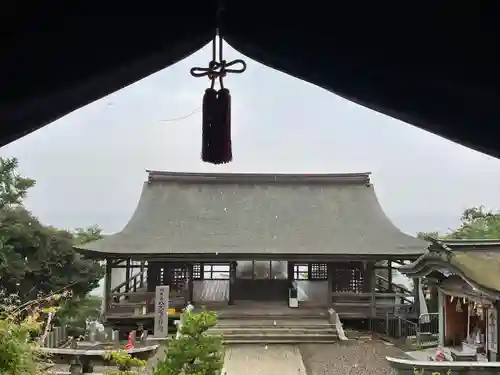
[{"x": 262, "y": 360}]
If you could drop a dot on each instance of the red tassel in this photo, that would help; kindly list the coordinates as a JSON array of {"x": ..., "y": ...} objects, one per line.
[
  {"x": 209, "y": 118},
  {"x": 216, "y": 146},
  {"x": 224, "y": 125}
]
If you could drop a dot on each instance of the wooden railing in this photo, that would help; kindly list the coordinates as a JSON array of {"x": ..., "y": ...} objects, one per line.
[
  {"x": 134, "y": 304},
  {"x": 396, "y": 327},
  {"x": 369, "y": 304},
  {"x": 137, "y": 281},
  {"x": 384, "y": 284}
]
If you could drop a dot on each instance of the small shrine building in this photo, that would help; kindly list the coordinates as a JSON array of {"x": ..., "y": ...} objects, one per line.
[{"x": 467, "y": 276}]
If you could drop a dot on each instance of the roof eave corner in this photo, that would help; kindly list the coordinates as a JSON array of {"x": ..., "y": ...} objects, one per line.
[
  {"x": 437, "y": 251},
  {"x": 87, "y": 247}
]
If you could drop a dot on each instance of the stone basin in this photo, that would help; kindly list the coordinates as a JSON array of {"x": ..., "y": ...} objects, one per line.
[
  {"x": 92, "y": 355},
  {"x": 408, "y": 366}
]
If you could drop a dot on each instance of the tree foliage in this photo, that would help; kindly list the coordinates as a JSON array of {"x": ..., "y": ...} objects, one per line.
[
  {"x": 124, "y": 363},
  {"x": 13, "y": 187},
  {"x": 76, "y": 311},
  {"x": 475, "y": 223},
  {"x": 36, "y": 259},
  {"x": 20, "y": 327}
]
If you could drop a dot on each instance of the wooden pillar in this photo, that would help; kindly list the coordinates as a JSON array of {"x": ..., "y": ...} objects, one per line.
[
  {"x": 329, "y": 272},
  {"x": 189, "y": 282},
  {"x": 107, "y": 286},
  {"x": 290, "y": 267},
  {"x": 416, "y": 303},
  {"x": 167, "y": 274},
  {"x": 232, "y": 279},
  {"x": 496, "y": 355},
  {"x": 153, "y": 276},
  {"x": 369, "y": 279},
  {"x": 127, "y": 276},
  {"x": 441, "y": 317},
  {"x": 389, "y": 275},
  {"x": 369, "y": 285},
  {"x": 141, "y": 280}
]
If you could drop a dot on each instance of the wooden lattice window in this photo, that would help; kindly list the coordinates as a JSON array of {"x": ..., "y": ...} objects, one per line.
[
  {"x": 319, "y": 271},
  {"x": 357, "y": 280},
  {"x": 348, "y": 279},
  {"x": 178, "y": 274},
  {"x": 161, "y": 276},
  {"x": 300, "y": 272},
  {"x": 197, "y": 271},
  {"x": 216, "y": 271},
  {"x": 178, "y": 280}
]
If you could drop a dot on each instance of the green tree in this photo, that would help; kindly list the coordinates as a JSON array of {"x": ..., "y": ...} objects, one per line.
[
  {"x": 195, "y": 352},
  {"x": 13, "y": 187},
  {"x": 475, "y": 223},
  {"x": 425, "y": 235},
  {"x": 84, "y": 235},
  {"x": 35, "y": 259},
  {"x": 76, "y": 311}
]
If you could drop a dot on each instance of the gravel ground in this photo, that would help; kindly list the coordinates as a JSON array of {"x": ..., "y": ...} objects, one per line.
[{"x": 349, "y": 358}]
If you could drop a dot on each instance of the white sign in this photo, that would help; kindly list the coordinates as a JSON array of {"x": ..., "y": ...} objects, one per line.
[{"x": 161, "y": 311}]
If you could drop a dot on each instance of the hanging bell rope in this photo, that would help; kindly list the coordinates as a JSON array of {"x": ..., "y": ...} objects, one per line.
[{"x": 216, "y": 137}]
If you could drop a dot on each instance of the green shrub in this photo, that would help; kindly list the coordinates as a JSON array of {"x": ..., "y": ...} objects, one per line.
[
  {"x": 124, "y": 363},
  {"x": 19, "y": 328},
  {"x": 195, "y": 352}
]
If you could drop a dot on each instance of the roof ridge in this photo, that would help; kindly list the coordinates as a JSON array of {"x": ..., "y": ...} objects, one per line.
[{"x": 193, "y": 177}]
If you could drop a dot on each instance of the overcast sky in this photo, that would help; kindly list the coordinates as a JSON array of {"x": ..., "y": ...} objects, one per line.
[{"x": 90, "y": 165}]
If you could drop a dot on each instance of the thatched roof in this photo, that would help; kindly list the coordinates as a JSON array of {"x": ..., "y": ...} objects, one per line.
[{"x": 258, "y": 214}]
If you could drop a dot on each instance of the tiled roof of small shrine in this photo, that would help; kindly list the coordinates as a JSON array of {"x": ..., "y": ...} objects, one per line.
[{"x": 477, "y": 261}]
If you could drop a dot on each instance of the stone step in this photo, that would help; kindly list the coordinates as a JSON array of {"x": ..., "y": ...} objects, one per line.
[
  {"x": 272, "y": 330},
  {"x": 276, "y": 333},
  {"x": 259, "y": 323},
  {"x": 239, "y": 316},
  {"x": 283, "y": 341},
  {"x": 280, "y": 337}
]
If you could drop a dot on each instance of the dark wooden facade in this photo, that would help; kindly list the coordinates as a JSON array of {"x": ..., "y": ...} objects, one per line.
[{"x": 354, "y": 289}]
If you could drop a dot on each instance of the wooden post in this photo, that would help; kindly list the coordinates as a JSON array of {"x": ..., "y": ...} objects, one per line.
[
  {"x": 389, "y": 275},
  {"x": 107, "y": 287},
  {"x": 290, "y": 267},
  {"x": 373, "y": 304},
  {"x": 441, "y": 316},
  {"x": 232, "y": 278},
  {"x": 497, "y": 354},
  {"x": 416, "y": 303},
  {"x": 369, "y": 277},
  {"x": 127, "y": 276},
  {"x": 141, "y": 282},
  {"x": 189, "y": 282},
  {"x": 329, "y": 277},
  {"x": 153, "y": 276}
]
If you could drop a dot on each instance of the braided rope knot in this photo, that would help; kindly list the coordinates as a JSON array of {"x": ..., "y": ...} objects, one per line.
[{"x": 219, "y": 69}]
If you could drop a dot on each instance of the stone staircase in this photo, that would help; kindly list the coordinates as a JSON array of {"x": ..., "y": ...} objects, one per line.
[{"x": 278, "y": 330}]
